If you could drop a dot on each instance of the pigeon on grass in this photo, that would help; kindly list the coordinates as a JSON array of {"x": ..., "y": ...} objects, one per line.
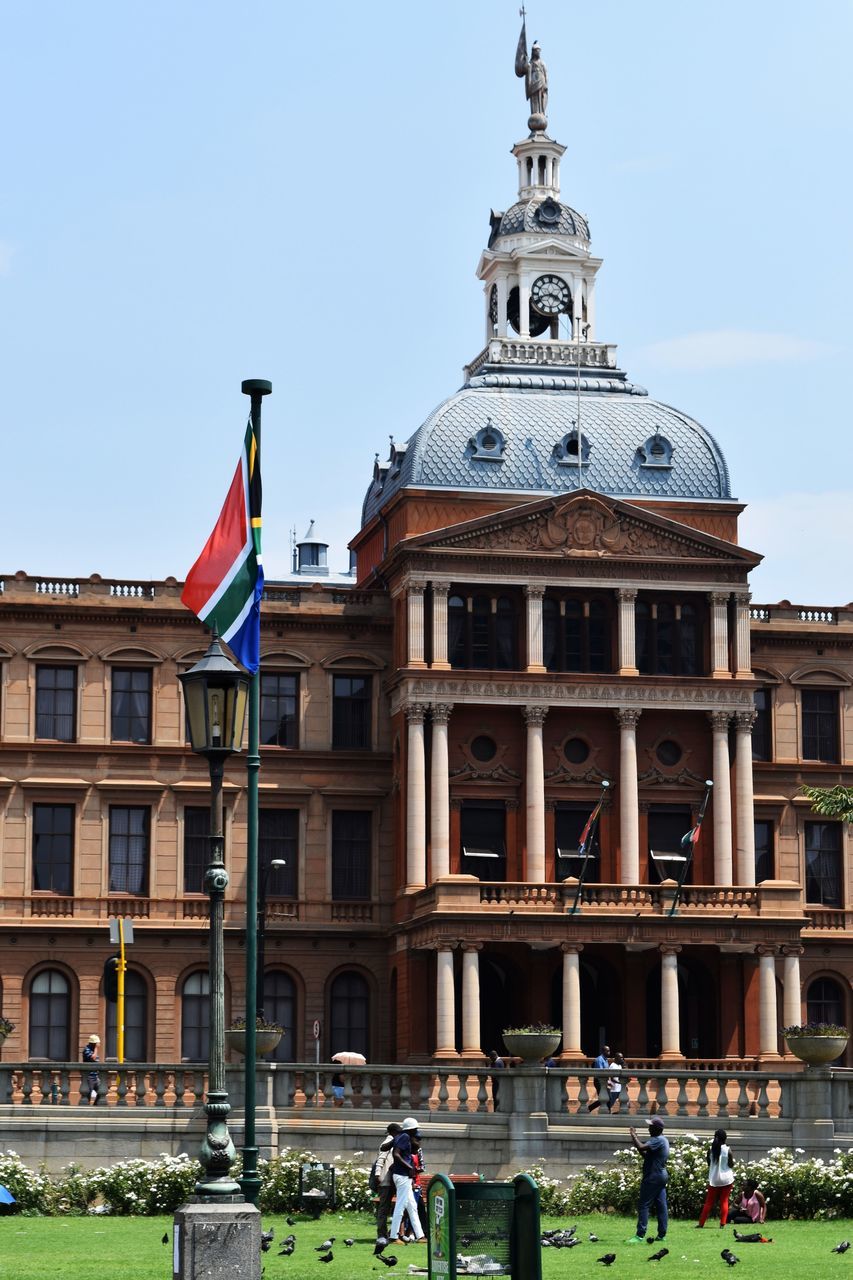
[
  {"x": 842, "y": 1248},
  {"x": 656, "y": 1257},
  {"x": 326, "y": 1257},
  {"x": 608, "y": 1259},
  {"x": 165, "y": 1239},
  {"x": 390, "y": 1261},
  {"x": 266, "y": 1239},
  {"x": 325, "y": 1246}
]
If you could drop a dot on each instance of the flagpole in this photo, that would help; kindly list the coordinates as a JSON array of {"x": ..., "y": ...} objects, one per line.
[{"x": 250, "y": 1181}]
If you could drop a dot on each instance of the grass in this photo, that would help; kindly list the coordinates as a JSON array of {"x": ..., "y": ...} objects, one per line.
[{"x": 102, "y": 1248}]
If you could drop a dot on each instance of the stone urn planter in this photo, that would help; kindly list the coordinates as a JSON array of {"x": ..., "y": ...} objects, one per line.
[
  {"x": 531, "y": 1046},
  {"x": 817, "y": 1050},
  {"x": 265, "y": 1040}
]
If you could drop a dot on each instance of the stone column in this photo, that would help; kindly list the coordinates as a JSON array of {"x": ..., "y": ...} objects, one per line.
[
  {"x": 535, "y": 796},
  {"x": 768, "y": 1022},
  {"x": 440, "y": 591},
  {"x": 440, "y": 792},
  {"x": 627, "y": 632},
  {"x": 720, "y": 634},
  {"x": 572, "y": 999},
  {"x": 502, "y": 301},
  {"x": 744, "y": 720},
  {"x": 670, "y": 1032},
  {"x": 722, "y": 798},
  {"x": 471, "y": 999},
  {"x": 792, "y": 1003},
  {"x": 445, "y": 1003},
  {"x": 743, "y": 658},
  {"x": 415, "y": 799},
  {"x": 415, "y": 610},
  {"x": 534, "y": 596},
  {"x": 524, "y": 307},
  {"x": 629, "y": 807}
]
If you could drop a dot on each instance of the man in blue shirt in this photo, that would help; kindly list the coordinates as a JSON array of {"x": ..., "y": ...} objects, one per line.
[
  {"x": 655, "y": 1153},
  {"x": 601, "y": 1063}
]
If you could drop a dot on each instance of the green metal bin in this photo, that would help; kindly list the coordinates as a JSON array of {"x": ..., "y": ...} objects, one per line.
[{"x": 484, "y": 1229}]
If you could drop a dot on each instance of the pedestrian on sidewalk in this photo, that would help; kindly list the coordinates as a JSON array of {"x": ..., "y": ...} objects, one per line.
[
  {"x": 614, "y": 1083},
  {"x": 403, "y": 1174},
  {"x": 655, "y": 1153},
  {"x": 601, "y": 1063},
  {"x": 381, "y": 1175},
  {"x": 90, "y": 1054},
  {"x": 720, "y": 1179}
]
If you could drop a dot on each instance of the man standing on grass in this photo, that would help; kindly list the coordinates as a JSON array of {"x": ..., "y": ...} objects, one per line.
[{"x": 655, "y": 1153}]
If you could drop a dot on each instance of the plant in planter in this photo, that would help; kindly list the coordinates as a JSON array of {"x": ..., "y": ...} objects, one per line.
[
  {"x": 816, "y": 1043},
  {"x": 6, "y": 1028},
  {"x": 533, "y": 1042},
  {"x": 267, "y": 1035}
]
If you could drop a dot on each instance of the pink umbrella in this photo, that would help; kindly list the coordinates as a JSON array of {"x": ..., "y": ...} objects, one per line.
[{"x": 350, "y": 1059}]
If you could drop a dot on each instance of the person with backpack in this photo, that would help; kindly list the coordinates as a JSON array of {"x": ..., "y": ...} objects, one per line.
[
  {"x": 380, "y": 1181},
  {"x": 403, "y": 1174},
  {"x": 720, "y": 1179}
]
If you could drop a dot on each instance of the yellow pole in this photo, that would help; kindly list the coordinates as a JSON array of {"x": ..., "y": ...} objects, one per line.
[{"x": 122, "y": 966}]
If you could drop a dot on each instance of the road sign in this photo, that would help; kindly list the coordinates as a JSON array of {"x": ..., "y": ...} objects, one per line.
[
  {"x": 316, "y": 1029},
  {"x": 127, "y": 929}
]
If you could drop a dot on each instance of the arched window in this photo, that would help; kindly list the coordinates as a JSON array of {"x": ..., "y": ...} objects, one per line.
[
  {"x": 195, "y": 1018},
  {"x": 279, "y": 1005},
  {"x": 349, "y": 1002},
  {"x": 668, "y": 635},
  {"x": 825, "y": 1002},
  {"x": 576, "y": 633},
  {"x": 135, "y": 1020},
  {"x": 50, "y": 1010},
  {"x": 483, "y": 632}
]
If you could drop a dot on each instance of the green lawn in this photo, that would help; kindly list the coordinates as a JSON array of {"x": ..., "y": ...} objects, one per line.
[{"x": 101, "y": 1248}]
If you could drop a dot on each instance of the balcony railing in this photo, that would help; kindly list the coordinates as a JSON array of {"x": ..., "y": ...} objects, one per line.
[{"x": 808, "y": 614}]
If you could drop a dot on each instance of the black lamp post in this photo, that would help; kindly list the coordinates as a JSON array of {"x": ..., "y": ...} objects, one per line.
[
  {"x": 274, "y": 865},
  {"x": 216, "y": 695}
]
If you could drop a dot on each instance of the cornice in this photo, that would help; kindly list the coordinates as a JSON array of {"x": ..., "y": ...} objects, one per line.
[{"x": 715, "y": 696}]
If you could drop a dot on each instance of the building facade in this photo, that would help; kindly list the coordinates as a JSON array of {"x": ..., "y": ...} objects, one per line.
[{"x": 549, "y": 594}]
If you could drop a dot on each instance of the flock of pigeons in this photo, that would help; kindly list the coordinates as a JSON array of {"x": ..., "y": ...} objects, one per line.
[{"x": 325, "y": 1250}]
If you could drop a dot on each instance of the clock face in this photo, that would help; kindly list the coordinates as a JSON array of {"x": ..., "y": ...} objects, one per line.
[{"x": 550, "y": 295}]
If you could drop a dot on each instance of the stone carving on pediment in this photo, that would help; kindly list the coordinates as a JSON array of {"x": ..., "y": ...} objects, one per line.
[
  {"x": 493, "y": 773},
  {"x": 655, "y": 777},
  {"x": 562, "y": 776},
  {"x": 587, "y": 528}
]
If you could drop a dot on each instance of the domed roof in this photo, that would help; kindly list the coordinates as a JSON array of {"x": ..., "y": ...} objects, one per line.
[
  {"x": 540, "y": 216},
  {"x": 516, "y": 432}
]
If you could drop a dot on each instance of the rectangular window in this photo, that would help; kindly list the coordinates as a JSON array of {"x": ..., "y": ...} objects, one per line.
[
  {"x": 762, "y": 730},
  {"x": 196, "y": 847},
  {"x": 129, "y": 829},
  {"x": 764, "y": 851},
  {"x": 130, "y": 717},
  {"x": 279, "y": 700},
  {"x": 53, "y": 848},
  {"x": 823, "y": 863},
  {"x": 351, "y": 696},
  {"x": 820, "y": 725},
  {"x": 351, "y": 838},
  {"x": 483, "y": 830},
  {"x": 56, "y": 703},
  {"x": 278, "y": 840},
  {"x": 569, "y": 823},
  {"x": 668, "y": 824}
]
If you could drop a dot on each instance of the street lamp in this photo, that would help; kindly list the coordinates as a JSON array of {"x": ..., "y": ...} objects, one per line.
[
  {"x": 274, "y": 865},
  {"x": 216, "y": 696}
]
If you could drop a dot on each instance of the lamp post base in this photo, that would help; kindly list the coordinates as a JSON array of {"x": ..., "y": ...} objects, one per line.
[{"x": 217, "y": 1241}]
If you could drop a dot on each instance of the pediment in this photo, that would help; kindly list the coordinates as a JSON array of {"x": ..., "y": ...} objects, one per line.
[{"x": 585, "y": 525}]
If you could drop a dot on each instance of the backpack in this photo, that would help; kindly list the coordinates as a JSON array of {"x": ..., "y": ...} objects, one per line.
[{"x": 380, "y": 1169}]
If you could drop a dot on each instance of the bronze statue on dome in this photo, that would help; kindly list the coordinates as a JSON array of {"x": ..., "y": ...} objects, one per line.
[{"x": 535, "y": 79}]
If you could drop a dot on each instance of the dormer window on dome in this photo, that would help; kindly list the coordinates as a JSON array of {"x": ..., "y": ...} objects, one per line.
[
  {"x": 569, "y": 453},
  {"x": 488, "y": 444},
  {"x": 656, "y": 453}
]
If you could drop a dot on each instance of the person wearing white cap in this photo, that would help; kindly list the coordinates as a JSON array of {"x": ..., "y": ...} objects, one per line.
[
  {"x": 90, "y": 1054},
  {"x": 403, "y": 1173}
]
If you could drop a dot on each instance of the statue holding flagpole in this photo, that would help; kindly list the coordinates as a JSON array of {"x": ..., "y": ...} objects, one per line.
[{"x": 535, "y": 75}]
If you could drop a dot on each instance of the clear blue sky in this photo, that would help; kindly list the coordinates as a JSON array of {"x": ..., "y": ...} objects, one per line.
[{"x": 201, "y": 192}]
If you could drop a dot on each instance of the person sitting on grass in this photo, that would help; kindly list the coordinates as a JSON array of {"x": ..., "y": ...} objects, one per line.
[{"x": 752, "y": 1206}]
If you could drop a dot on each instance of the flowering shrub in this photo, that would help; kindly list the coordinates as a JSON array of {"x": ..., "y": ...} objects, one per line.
[
  {"x": 533, "y": 1028},
  {"x": 33, "y": 1191},
  {"x": 143, "y": 1186},
  {"x": 261, "y": 1024},
  {"x": 553, "y": 1193},
  {"x": 814, "y": 1029},
  {"x": 353, "y": 1193},
  {"x": 280, "y": 1180}
]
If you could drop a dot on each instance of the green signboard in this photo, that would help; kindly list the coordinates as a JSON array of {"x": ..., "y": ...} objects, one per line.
[{"x": 441, "y": 1211}]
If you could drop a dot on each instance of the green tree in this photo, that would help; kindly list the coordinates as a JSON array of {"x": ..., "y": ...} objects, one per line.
[{"x": 831, "y": 802}]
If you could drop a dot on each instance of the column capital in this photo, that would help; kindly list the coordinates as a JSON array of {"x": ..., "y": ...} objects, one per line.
[
  {"x": 742, "y": 597},
  {"x": 441, "y": 712},
  {"x": 471, "y": 946},
  {"x": 571, "y": 948},
  {"x": 415, "y": 712},
  {"x": 626, "y": 594},
  {"x": 628, "y": 717},
  {"x": 534, "y": 715},
  {"x": 669, "y": 948},
  {"x": 719, "y": 721},
  {"x": 765, "y": 949},
  {"x": 439, "y": 946},
  {"x": 534, "y": 591},
  {"x": 415, "y": 588},
  {"x": 719, "y": 598},
  {"x": 511, "y": 804},
  {"x": 744, "y": 720},
  {"x": 440, "y": 587},
  {"x": 793, "y": 949}
]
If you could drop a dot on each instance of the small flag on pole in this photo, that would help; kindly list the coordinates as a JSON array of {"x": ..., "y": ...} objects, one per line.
[
  {"x": 590, "y": 825},
  {"x": 225, "y": 585}
]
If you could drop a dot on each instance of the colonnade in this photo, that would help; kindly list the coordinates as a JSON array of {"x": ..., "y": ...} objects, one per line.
[
  {"x": 734, "y": 843},
  {"x": 671, "y": 1048}
]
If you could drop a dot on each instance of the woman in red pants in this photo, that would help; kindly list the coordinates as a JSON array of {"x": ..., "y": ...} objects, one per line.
[{"x": 720, "y": 1179}]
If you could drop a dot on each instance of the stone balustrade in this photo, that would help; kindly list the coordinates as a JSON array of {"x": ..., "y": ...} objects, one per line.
[{"x": 809, "y": 615}]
